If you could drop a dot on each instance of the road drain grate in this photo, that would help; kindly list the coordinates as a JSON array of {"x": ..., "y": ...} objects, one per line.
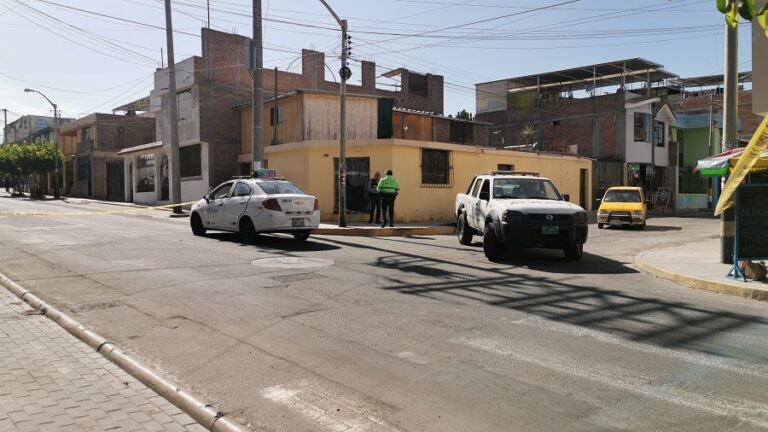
[{"x": 297, "y": 277}]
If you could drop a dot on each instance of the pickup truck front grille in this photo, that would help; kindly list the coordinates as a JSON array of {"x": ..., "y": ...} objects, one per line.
[{"x": 542, "y": 218}]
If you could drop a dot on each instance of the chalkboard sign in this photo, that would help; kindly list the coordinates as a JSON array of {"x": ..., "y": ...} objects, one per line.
[
  {"x": 662, "y": 198},
  {"x": 752, "y": 222}
]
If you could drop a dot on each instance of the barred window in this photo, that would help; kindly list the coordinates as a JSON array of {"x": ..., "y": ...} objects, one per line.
[
  {"x": 145, "y": 173},
  {"x": 435, "y": 167},
  {"x": 190, "y": 161}
]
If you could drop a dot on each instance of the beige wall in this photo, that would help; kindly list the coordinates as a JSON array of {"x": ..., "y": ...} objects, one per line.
[{"x": 309, "y": 164}]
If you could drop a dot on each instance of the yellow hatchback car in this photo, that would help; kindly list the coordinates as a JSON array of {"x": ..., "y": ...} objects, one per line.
[{"x": 622, "y": 206}]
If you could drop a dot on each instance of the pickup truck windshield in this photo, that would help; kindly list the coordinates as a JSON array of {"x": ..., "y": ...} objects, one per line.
[{"x": 524, "y": 189}]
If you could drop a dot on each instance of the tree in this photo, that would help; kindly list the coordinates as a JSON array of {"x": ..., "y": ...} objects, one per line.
[
  {"x": 747, "y": 9},
  {"x": 19, "y": 161},
  {"x": 464, "y": 115}
]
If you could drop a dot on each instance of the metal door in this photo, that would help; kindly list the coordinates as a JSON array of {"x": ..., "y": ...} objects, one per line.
[{"x": 115, "y": 181}]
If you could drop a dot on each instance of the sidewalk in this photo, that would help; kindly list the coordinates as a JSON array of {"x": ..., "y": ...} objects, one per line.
[
  {"x": 697, "y": 265},
  {"x": 375, "y": 230},
  {"x": 51, "y": 381}
]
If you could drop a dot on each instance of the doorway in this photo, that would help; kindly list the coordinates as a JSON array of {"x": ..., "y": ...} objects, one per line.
[
  {"x": 358, "y": 173},
  {"x": 164, "y": 185}
]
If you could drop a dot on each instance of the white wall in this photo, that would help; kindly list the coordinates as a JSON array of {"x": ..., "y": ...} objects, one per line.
[{"x": 640, "y": 152}]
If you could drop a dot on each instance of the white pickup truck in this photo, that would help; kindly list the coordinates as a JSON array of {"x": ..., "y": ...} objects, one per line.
[{"x": 521, "y": 210}]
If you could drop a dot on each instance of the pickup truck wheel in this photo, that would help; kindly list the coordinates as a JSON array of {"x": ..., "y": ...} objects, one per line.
[
  {"x": 600, "y": 226},
  {"x": 492, "y": 248},
  {"x": 574, "y": 252},
  {"x": 463, "y": 231}
]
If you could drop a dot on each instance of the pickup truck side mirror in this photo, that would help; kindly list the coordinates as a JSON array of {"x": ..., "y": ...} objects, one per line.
[
  {"x": 567, "y": 197},
  {"x": 207, "y": 198},
  {"x": 485, "y": 196}
]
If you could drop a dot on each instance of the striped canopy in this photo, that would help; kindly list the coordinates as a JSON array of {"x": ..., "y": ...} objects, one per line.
[{"x": 719, "y": 164}]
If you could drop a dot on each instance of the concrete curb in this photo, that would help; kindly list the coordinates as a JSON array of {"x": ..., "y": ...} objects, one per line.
[
  {"x": 203, "y": 413},
  {"x": 385, "y": 232},
  {"x": 702, "y": 284}
]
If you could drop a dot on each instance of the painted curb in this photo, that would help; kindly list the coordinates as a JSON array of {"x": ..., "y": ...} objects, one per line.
[
  {"x": 203, "y": 413},
  {"x": 702, "y": 284},
  {"x": 385, "y": 232}
]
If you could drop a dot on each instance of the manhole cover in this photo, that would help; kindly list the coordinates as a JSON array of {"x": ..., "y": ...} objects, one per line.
[{"x": 292, "y": 262}]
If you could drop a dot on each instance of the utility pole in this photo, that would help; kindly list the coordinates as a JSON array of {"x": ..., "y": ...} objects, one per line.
[
  {"x": 174, "y": 117},
  {"x": 276, "y": 116},
  {"x": 257, "y": 100},
  {"x": 730, "y": 134},
  {"x": 56, "y": 117},
  {"x": 56, "y": 143},
  {"x": 345, "y": 73},
  {"x": 5, "y": 128}
]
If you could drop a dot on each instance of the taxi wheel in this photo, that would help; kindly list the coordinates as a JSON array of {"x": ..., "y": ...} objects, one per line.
[
  {"x": 247, "y": 232},
  {"x": 197, "y": 225},
  {"x": 301, "y": 235}
]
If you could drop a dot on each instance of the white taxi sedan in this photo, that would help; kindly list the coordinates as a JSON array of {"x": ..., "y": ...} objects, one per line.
[{"x": 254, "y": 205}]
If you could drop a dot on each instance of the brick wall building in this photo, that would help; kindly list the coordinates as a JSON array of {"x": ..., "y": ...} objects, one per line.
[{"x": 210, "y": 86}]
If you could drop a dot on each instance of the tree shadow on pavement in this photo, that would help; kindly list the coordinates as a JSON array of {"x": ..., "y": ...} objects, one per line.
[
  {"x": 571, "y": 299},
  {"x": 279, "y": 242},
  {"x": 655, "y": 228}
]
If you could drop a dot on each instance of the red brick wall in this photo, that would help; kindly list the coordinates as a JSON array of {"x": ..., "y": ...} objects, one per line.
[{"x": 595, "y": 125}]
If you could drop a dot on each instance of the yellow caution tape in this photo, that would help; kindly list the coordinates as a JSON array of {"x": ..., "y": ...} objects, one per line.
[
  {"x": 87, "y": 213},
  {"x": 749, "y": 157}
]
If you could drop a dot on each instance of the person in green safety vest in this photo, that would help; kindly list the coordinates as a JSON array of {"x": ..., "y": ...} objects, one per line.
[{"x": 388, "y": 189}]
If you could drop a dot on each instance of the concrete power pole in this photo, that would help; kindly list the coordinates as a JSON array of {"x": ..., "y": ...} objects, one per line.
[
  {"x": 174, "y": 116},
  {"x": 5, "y": 128},
  {"x": 345, "y": 73},
  {"x": 730, "y": 134},
  {"x": 257, "y": 100}
]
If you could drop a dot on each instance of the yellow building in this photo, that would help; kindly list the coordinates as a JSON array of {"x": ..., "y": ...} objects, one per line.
[{"x": 431, "y": 173}]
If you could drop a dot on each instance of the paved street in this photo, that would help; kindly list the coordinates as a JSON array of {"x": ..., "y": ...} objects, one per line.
[
  {"x": 50, "y": 381},
  {"x": 404, "y": 333}
]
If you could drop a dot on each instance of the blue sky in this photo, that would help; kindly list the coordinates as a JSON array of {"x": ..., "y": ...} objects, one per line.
[{"x": 87, "y": 62}]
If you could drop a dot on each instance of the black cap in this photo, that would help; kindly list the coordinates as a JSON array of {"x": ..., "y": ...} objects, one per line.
[{"x": 389, "y": 172}]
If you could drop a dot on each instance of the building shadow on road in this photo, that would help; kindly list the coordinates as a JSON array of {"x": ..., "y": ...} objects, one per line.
[
  {"x": 653, "y": 228},
  {"x": 569, "y": 299},
  {"x": 275, "y": 242}
]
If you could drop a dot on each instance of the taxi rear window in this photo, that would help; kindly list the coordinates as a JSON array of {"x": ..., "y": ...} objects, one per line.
[{"x": 279, "y": 188}]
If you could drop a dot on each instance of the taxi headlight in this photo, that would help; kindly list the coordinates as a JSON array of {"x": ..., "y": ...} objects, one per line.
[
  {"x": 637, "y": 213},
  {"x": 603, "y": 212},
  {"x": 580, "y": 218}
]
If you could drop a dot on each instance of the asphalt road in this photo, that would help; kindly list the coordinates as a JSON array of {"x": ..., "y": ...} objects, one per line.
[{"x": 404, "y": 334}]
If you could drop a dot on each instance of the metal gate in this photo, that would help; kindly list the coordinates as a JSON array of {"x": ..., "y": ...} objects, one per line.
[
  {"x": 606, "y": 174},
  {"x": 115, "y": 181}
]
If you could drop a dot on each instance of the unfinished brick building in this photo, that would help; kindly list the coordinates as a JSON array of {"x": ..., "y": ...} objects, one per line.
[
  {"x": 208, "y": 89},
  {"x": 603, "y": 111}
]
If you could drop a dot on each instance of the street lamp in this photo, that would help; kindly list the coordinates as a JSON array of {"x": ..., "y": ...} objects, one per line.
[
  {"x": 56, "y": 135},
  {"x": 345, "y": 74}
]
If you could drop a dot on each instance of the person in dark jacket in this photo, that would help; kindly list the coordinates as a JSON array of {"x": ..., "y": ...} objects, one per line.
[
  {"x": 374, "y": 198},
  {"x": 388, "y": 189}
]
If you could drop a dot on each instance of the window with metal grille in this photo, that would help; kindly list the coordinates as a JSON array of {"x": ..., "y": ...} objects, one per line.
[
  {"x": 190, "y": 161},
  {"x": 145, "y": 173},
  {"x": 435, "y": 168}
]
